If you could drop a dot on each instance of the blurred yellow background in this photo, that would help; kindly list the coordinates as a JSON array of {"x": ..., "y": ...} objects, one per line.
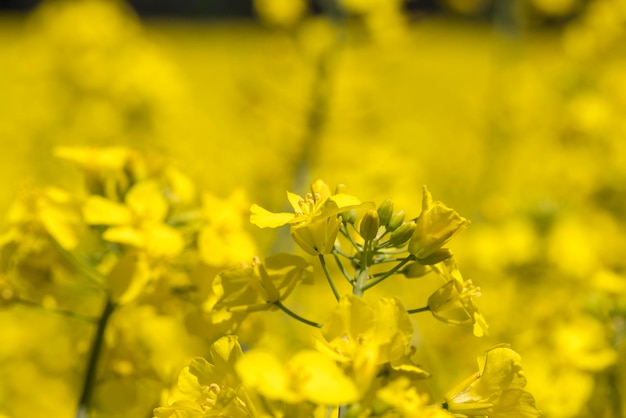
[{"x": 514, "y": 117}]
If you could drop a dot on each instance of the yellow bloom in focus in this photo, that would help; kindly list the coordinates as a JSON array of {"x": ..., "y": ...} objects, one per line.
[
  {"x": 497, "y": 391},
  {"x": 259, "y": 285},
  {"x": 210, "y": 388},
  {"x": 139, "y": 223},
  {"x": 307, "y": 376},
  {"x": 453, "y": 302},
  {"x": 315, "y": 221},
  {"x": 367, "y": 337},
  {"x": 434, "y": 227}
]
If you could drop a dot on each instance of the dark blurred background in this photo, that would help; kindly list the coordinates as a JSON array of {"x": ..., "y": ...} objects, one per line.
[{"x": 203, "y": 8}]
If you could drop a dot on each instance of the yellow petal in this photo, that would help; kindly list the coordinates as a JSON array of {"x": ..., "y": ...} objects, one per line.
[
  {"x": 162, "y": 241},
  {"x": 101, "y": 211},
  {"x": 320, "y": 380},
  {"x": 124, "y": 235},
  {"x": 266, "y": 219},
  {"x": 147, "y": 202}
]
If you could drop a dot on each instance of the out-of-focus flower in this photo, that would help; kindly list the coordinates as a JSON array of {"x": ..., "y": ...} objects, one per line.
[
  {"x": 281, "y": 12},
  {"x": 139, "y": 222},
  {"x": 496, "y": 391},
  {"x": 402, "y": 397},
  {"x": 223, "y": 241},
  {"x": 315, "y": 222},
  {"x": 210, "y": 388},
  {"x": 434, "y": 227},
  {"x": 307, "y": 376}
]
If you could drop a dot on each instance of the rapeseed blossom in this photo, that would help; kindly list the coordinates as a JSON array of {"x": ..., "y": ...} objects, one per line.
[{"x": 314, "y": 225}]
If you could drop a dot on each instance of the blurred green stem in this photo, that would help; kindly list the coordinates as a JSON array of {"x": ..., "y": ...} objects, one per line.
[{"x": 92, "y": 365}]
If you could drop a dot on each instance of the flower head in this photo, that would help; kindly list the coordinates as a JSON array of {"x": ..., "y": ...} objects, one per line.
[
  {"x": 497, "y": 391},
  {"x": 434, "y": 227},
  {"x": 315, "y": 221},
  {"x": 453, "y": 302}
]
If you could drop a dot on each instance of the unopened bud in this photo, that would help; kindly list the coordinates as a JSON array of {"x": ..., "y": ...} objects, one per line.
[
  {"x": 385, "y": 210},
  {"x": 395, "y": 221},
  {"x": 401, "y": 235},
  {"x": 436, "y": 257},
  {"x": 415, "y": 270},
  {"x": 341, "y": 189},
  {"x": 369, "y": 225},
  {"x": 348, "y": 216}
]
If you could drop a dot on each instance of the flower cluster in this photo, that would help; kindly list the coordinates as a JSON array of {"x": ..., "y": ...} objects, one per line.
[{"x": 363, "y": 362}]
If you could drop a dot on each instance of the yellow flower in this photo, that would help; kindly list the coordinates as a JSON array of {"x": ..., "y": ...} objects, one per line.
[
  {"x": 497, "y": 391},
  {"x": 210, "y": 388},
  {"x": 453, "y": 302},
  {"x": 367, "y": 337},
  {"x": 223, "y": 241},
  {"x": 307, "y": 376},
  {"x": 434, "y": 227},
  {"x": 315, "y": 222},
  {"x": 139, "y": 223},
  {"x": 403, "y": 397},
  {"x": 259, "y": 285}
]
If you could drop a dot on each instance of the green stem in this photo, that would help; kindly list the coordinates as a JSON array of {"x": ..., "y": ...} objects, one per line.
[
  {"x": 418, "y": 310},
  {"x": 96, "y": 348},
  {"x": 362, "y": 272},
  {"x": 342, "y": 268},
  {"x": 328, "y": 276},
  {"x": 294, "y": 315},
  {"x": 389, "y": 273}
]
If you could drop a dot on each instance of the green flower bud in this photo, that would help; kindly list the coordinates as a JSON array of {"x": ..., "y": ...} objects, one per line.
[
  {"x": 401, "y": 235},
  {"x": 349, "y": 216},
  {"x": 385, "y": 210},
  {"x": 395, "y": 221},
  {"x": 415, "y": 270},
  {"x": 436, "y": 257},
  {"x": 369, "y": 225}
]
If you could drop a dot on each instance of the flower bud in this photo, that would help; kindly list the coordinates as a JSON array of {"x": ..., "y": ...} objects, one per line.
[
  {"x": 415, "y": 270},
  {"x": 395, "y": 221},
  {"x": 369, "y": 225},
  {"x": 349, "y": 216},
  {"x": 401, "y": 235},
  {"x": 385, "y": 210},
  {"x": 341, "y": 189},
  {"x": 436, "y": 225},
  {"x": 436, "y": 257}
]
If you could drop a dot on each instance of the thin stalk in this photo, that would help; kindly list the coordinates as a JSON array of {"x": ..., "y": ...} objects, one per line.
[
  {"x": 342, "y": 268},
  {"x": 92, "y": 365},
  {"x": 328, "y": 276},
  {"x": 418, "y": 310},
  {"x": 362, "y": 273},
  {"x": 294, "y": 315},
  {"x": 389, "y": 273}
]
